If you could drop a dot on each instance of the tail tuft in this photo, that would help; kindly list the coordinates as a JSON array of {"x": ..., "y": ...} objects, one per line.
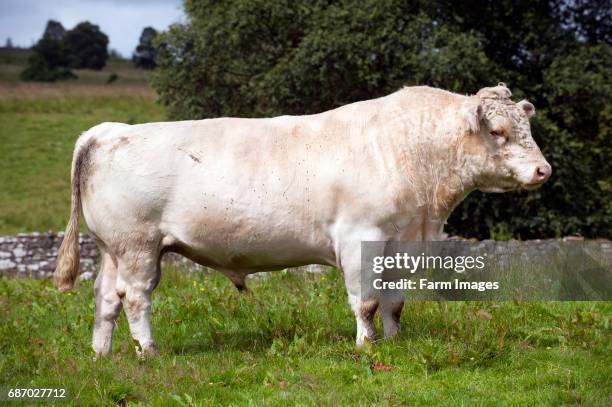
[{"x": 67, "y": 268}]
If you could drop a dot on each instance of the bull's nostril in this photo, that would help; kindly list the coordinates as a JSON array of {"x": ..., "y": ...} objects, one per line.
[{"x": 542, "y": 173}]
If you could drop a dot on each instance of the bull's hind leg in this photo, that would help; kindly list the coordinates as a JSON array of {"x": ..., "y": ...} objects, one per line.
[
  {"x": 108, "y": 305},
  {"x": 137, "y": 275}
]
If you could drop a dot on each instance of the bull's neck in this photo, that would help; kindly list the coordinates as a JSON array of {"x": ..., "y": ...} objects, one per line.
[{"x": 426, "y": 170}]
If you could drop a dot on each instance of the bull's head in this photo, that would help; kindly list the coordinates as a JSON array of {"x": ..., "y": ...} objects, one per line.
[{"x": 498, "y": 146}]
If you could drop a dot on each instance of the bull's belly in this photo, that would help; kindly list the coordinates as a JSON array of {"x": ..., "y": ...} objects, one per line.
[
  {"x": 252, "y": 254},
  {"x": 256, "y": 242},
  {"x": 228, "y": 258}
]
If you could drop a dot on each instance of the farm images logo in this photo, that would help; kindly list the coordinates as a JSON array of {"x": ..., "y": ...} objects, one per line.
[{"x": 488, "y": 270}]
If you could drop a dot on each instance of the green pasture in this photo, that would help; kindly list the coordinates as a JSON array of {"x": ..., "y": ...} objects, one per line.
[{"x": 292, "y": 342}]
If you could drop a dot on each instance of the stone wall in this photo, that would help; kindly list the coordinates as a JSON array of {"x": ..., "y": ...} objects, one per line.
[{"x": 34, "y": 254}]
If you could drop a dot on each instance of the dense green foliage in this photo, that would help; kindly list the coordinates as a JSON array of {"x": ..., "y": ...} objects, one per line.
[
  {"x": 54, "y": 30},
  {"x": 85, "y": 46},
  {"x": 291, "y": 342},
  {"x": 262, "y": 58},
  {"x": 49, "y": 60}
]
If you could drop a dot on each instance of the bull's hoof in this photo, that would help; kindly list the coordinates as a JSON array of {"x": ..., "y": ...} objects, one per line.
[
  {"x": 99, "y": 355},
  {"x": 147, "y": 351},
  {"x": 365, "y": 342},
  {"x": 100, "y": 352}
]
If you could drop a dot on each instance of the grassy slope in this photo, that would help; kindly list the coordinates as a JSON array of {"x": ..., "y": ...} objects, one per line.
[
  {"x": 220, "y": 346},
  {"x": 36, "y": 141}
]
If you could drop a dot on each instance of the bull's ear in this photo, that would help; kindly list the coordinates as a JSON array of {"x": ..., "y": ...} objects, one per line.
[
  {"x": 471, "y": 113},
  {"x": 527, "y": 107}
]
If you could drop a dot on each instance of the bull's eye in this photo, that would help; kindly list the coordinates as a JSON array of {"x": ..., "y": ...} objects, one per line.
[{"x": 497, "y": 133}]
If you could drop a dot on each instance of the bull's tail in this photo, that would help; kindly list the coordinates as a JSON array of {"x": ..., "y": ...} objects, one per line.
[{"x": 67, "y": 268}]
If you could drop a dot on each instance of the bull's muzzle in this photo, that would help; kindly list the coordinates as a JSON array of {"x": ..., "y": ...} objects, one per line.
[{"x": 541, "y": 174}]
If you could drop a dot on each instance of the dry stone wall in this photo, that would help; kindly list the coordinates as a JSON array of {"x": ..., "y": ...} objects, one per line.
[{"x": 34, "y": 254}]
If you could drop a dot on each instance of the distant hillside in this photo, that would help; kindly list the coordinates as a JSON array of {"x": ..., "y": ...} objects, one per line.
[
  {"x": 14, "y": 56},
  {"x": 14, "y": 60}
]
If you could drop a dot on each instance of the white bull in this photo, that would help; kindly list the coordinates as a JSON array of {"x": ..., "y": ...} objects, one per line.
[{"x": 248, "y": 195}]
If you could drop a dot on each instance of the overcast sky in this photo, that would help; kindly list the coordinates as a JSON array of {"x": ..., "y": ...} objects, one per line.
[{"x": 122, "y": 20}]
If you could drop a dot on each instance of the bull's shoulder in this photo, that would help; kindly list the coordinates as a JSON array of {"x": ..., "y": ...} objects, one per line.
[
  {"x": 429, "y": 92},
  {"x": 425, "y": 99}
]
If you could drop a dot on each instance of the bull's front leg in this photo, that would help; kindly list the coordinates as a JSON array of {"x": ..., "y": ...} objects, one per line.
[
  {"x": 364, "y": 301},
  {"x": 391, "y": 305},
  {"x": 364, "y": 313}
]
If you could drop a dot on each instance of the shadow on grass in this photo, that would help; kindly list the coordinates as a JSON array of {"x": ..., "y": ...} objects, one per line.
[{"x": 252, "y": 341}]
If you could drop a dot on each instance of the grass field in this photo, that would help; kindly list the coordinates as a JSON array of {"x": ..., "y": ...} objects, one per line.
[
  {"x": 294, "y": 344},
  {"x": 220, "y": 347},
  {"x": 37, "y": 136}
]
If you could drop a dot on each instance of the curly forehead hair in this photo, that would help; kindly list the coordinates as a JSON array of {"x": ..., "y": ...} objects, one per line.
[{"x": 496, "y": 101}]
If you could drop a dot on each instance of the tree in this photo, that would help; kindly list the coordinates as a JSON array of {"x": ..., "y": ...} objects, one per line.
[
  {"x": 49, "y": 59},
  {"x": 59, "y": 50},
  {"x": 39, "y": 70},
  {"x": 87, "y": 46},
  {"x": 263, "y": 58},
  {"x": 54, "y": 31},
  {"x": 591, "y": 20},
  {"x": 254, "y": 58},
  {"x": 144, "y": 56},
  {"x": 9, "y": 43}
]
